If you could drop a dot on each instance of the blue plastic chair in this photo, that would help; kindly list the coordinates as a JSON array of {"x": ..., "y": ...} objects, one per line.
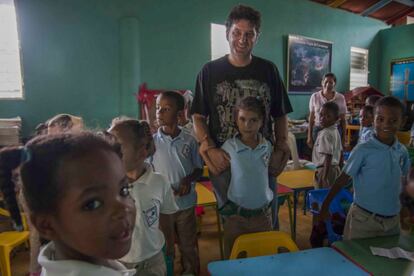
[{"x": 340, "y": 204}]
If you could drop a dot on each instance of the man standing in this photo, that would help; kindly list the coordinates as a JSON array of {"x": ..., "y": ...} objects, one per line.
[{"x": 223, "y": 82}]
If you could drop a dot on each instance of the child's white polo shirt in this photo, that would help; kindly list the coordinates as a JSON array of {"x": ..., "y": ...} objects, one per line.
[
  {"x": 51, "y": 267},
  {"x": 153, "y": 195},
  {"x": 327, "y": 142},
  {"x": 176, "y": 158}
]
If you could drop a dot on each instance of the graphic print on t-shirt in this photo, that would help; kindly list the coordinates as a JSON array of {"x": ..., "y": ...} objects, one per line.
[
  {"x": 227, "y": 97},
  {"x": 151, "y": 214}
]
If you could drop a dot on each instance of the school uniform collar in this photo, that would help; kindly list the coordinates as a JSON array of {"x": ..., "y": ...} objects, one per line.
[
  {"x": 51, "y": 267},
  {"x": 240, "y": 146},
  {"x": 144, "y": 179},
  {"x": 374, "y": 141},
  {"x": 332, "y": 127},
  {"x": 167, "y": 137}
]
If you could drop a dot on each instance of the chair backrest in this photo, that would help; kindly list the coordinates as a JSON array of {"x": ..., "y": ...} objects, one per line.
[
  {"x": 293, "y": 150},
  {"x": 262, "y": 243},
  {"x": 5, "y": 213},
  {"x": 340, "y": 201}
]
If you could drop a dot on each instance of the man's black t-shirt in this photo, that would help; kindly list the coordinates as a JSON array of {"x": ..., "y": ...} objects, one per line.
[{"x": 220, "y": 86}]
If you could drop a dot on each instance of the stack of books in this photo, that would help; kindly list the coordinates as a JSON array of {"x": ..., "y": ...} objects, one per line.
[{"x": 10, "y": 131}]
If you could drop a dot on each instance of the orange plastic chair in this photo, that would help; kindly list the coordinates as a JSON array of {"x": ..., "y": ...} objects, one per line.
[
  {"x": 8, "y": 241},
  {"x": 262, "y": 244}
]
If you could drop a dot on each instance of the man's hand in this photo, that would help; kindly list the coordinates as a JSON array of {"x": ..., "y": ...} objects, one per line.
[
  {"x": 184, "y": 188},
  {"x": 219, "y": 158},
  {"x": 278, "y": 159}
]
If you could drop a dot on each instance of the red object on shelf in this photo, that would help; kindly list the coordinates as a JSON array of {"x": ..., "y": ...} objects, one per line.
[
  {"x": 364, "y": 92},
  {"x": 146, "y": 99}
]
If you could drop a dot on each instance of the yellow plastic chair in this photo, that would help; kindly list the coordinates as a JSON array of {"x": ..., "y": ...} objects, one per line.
[
  {"x": 8, "y": 241},
  {"x": 404, "y": 137},
  {"x": 5, "y": 213},
  {"x": 262, "y": 244}
]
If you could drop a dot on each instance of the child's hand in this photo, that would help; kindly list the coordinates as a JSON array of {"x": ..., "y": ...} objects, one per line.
[{"x": 184, "y": 188}]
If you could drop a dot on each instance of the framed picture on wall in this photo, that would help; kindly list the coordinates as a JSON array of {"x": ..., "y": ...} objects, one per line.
[
  {"x": 402, "y": 79},
  {"x": 308, "y": 60}
]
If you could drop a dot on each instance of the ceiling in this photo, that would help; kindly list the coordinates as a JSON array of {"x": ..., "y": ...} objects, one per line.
[{"x": 392, "y": 12}]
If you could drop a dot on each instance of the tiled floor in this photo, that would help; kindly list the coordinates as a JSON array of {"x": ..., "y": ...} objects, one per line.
[{"x": 208, "y": 240}]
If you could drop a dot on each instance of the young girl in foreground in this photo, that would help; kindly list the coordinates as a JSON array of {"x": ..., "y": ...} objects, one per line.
[
  {"x": 78, "y": 196},
  {"x": 248, "y": 209}
]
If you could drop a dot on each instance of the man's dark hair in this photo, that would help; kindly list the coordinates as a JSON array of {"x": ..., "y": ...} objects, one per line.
[
  {"x": 391, "y": 101},
  {"x": 332, "y": 107},
  {"x": 329, "y": 75},
  {"x": 243, "y": 12}
]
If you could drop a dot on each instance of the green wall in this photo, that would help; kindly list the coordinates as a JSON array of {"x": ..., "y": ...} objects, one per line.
[
  {"x": 75, "y": 52},
  {"x": 395, "y": 43}
]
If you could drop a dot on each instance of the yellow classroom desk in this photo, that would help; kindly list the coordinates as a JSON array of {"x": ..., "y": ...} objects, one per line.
[{"x": 206, "y": 198}]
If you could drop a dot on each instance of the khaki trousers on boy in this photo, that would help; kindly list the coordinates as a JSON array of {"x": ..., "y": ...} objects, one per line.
[
  {"x": 182, "y": 225},
  {"x": 236, "y": 225},
  {"x": 361, "y": 224},
  {"x": 154, "y": 266}
]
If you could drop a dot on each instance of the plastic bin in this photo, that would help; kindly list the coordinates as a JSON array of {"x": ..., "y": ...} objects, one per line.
[{"x": 340, "y": 204}]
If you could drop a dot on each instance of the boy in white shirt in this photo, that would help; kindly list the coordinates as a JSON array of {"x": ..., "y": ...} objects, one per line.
[
  {"x": 177, "y": 159},
  {"x": 326, "y": 153},
  {"x": 366, "y": 118}
]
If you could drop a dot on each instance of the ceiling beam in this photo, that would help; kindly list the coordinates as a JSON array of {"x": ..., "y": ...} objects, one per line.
[
  {"x": 336, "y": 3},
  {"x": 400, "y": 15},
  {"x": 375, "y": 7},
  {"x": 409, "y": 3}
]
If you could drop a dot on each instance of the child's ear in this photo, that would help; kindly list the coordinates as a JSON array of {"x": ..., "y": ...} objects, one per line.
[
  {"x": 43, "y": 224},
  {"x": 180, "y": 114}
]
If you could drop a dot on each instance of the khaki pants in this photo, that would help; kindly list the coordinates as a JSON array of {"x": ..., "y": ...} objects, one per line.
[
  {"x": 236, "y": 225},
  {"x": 361, "y": 224},
  {"x": 333, "y": 173},
  {"x": 153, "y": 266},
  {"x": 182, "y": 225}
]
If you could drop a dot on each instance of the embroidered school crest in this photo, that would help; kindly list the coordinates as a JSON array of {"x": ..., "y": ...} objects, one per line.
[
  {"x": 186, "y": 151},
  {"x": 151, "y": 215}
]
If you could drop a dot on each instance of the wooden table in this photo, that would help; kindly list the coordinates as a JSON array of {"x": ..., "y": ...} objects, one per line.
[
  {"x": 319, "y": 261},
  {"x": 206, "y": 198},
  {"x": 359, "y": 252},
  {"x": 298, "y": 181}
]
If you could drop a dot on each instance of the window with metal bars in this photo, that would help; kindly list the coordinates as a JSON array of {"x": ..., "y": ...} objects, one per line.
[
  {"x": 359, "y": 68},
  {"x": 11, "y": 85},
  {"x": 219, "y": 43}
]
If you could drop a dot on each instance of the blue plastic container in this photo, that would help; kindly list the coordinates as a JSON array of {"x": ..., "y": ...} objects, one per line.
[{"x": 340, "y": 204}]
